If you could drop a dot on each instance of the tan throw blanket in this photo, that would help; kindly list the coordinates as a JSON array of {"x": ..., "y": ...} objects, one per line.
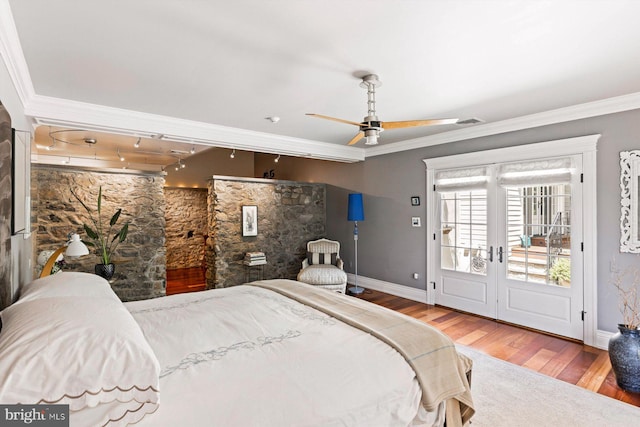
[{"x": 440, "y": 369}]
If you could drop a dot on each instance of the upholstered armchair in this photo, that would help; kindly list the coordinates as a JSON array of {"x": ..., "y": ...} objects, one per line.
[{"x": 323, "y": 267}]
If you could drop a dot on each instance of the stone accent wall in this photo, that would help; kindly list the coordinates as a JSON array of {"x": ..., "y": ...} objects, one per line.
[
  {"x": 289, "y": 215},
  {"x": 186, "y": 217},
  {"x": 140, "y": 259},
  {"x": 5, "y": 208}
]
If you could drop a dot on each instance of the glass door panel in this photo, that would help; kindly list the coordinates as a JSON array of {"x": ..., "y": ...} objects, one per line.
[
  {"x": 463, "y": 228},
  {"x": 539, "y": 234}
]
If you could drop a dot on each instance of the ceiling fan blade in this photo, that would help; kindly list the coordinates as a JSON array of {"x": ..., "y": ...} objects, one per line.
[
  {"x": 413, "y": 123},
  {"x": 349, "y": 122},
  {"x": 356, "y": 138}
]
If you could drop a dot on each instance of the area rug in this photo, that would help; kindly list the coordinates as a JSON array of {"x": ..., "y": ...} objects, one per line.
[{"x": 508, "y": 395}]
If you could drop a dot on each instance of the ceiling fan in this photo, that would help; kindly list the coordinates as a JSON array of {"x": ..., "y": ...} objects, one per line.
[{"x": 371, "y": 127}]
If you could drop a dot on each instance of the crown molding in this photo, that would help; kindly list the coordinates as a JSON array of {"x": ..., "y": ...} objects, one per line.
[
  {"x": 560, "y": 115},
  {"x": 73, "y": 114},
  {"x": 11, "y": 53}
]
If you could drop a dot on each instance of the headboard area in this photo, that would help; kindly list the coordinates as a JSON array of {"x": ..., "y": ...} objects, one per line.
[{"x": 5, "y": 207}]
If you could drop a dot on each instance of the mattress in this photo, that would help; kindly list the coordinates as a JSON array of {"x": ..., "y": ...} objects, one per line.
[{"x": 249, "y": 356}]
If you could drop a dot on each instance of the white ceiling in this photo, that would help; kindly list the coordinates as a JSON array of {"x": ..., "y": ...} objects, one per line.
[{"x": 210, "y": 72}]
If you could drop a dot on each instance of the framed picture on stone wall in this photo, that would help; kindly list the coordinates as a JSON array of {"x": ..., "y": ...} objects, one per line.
[{"x": 249, "y": 220}]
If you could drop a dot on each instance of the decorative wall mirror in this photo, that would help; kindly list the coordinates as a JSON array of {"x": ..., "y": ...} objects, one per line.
[{"x": 629, "y": 186}]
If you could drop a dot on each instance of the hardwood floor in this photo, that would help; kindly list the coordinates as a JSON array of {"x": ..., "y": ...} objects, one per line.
[
  {"x": 565, "y": 360},
  {"x": 185, "y": 280}
]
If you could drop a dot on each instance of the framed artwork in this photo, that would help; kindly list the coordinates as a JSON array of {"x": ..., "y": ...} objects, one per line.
[
  {"x": 415, "y": 201},
  {"x": 629, "y": 195},
  {"x": 249, "y": 220}
]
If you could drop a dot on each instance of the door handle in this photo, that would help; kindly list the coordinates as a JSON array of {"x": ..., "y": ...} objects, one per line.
[
  {"x": 500, "y": 254},
  {"x": 490, "y": 253}
]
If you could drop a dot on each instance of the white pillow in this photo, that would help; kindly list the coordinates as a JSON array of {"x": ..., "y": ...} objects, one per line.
[
  {"x": 68, "y": 284},
  {"x": 59, "y": 347}
]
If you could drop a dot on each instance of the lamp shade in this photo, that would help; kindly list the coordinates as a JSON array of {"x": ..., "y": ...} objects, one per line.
[
  {"x": 356, "y": 210},
  {"x": 76, "y": 248}
]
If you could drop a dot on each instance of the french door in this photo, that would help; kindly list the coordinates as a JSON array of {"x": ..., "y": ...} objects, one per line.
[{"x": 508, "y": 241}]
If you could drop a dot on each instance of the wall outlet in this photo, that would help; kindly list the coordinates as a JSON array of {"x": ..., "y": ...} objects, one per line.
[{"x": 416, "y": 276}]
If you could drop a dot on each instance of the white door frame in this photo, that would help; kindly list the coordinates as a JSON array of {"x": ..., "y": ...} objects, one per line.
[{"x": 583, "y": 145}]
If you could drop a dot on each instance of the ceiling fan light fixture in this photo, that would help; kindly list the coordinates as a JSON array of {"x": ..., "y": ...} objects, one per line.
[
  {"x": 371, "y": 126},
  {"x": 371, "y": 137}
]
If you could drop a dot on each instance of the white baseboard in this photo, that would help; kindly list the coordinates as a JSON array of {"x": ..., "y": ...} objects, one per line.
[
  {"x": 419, "y": 295},
  {"x": 602, "y": 339}
]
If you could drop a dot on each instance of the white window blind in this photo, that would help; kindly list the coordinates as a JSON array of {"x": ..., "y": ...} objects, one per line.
[
  {"x": 536, "y": 172},
  {"x": 461, "y": 179}
]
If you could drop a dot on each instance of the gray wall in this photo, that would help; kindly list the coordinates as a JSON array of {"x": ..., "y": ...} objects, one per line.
[{"x": 391, "y": 250}]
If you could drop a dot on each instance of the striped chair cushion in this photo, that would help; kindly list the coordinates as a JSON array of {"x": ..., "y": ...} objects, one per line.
[{"x": 322, "y": 258}]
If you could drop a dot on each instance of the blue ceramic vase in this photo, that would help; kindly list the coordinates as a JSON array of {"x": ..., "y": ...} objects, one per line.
[{"x": 624, "y": 352}]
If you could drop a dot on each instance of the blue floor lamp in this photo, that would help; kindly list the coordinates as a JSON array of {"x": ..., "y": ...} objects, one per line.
[{"x": 355, "y": 213}]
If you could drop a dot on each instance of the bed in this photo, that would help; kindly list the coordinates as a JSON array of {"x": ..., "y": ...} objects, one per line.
[{"x": 266, "y": 353}]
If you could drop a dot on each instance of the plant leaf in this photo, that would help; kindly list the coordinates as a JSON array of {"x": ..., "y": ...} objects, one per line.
[
  {"x": 115, "y": 217},
  {"x": 124, "y": 231},
  {"x": 92, "y": 234},
  {"x": 99, "y": 199}
]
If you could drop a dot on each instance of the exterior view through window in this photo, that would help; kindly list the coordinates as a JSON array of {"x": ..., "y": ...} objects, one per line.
[
  {"x": 464, "y": 231},
  {"x": 539, "y": 234}
]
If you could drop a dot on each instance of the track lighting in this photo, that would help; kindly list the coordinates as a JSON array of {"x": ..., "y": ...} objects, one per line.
[
  {"x": 193, "y": 150},
  {"x": 120, "y": 156},
  {"x": 233, "y": 154},
  {"x": 137, "y": 144},
  {"x": 180, "y": 165},
  {"x": 277, "y": 159},
  {"x": 53, "y": 142}
]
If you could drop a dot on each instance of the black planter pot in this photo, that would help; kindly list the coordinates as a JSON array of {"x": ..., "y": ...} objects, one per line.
[
  {"x": 105, "y": 270},
  {"x": 624, "y": 352}
]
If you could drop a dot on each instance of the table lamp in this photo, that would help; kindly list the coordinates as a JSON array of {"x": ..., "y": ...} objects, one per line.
[{"x": 73, "y": 248}]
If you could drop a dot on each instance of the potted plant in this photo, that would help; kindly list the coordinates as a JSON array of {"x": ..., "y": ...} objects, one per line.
[
  {"x": 104, "y": 239},
  {"x": 624, "y": 346},
  {"x": 560, "y": 271}
]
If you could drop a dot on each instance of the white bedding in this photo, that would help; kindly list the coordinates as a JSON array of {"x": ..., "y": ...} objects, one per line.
[{"x": 246, "y": 356}]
